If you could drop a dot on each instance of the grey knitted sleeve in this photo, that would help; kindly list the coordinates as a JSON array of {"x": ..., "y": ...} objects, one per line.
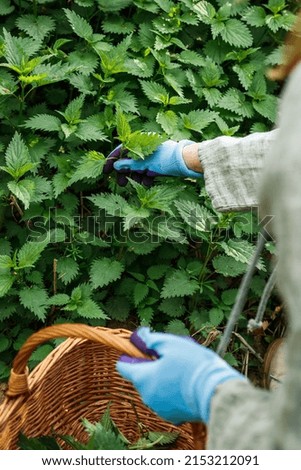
[
  {"x": 242, "y": 416},
  {"x": 232, "y": 168}
]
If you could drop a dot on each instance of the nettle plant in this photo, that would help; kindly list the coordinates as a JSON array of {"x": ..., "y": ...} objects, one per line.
[{"x": 77, "y": 79}]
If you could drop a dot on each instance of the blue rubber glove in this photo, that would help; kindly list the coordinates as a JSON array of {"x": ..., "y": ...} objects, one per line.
[
  {"x": 167, "y": 160},
  {"x": 180, "y": 384}
]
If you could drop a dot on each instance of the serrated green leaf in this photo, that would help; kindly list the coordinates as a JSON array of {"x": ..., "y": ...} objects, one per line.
[
  {"x": 6, "y": 262},
  {"x": 17, "y": 157},
  {"x": 145, "y": 315},
  {"x": 114, "y": 204},
  {"x": 173, "y": 307},
  {"x": 58, "y": 299},
  {"x": 177, "y": 327},
  {"x": 245, "y": 73},
  {"x": 234, "y": 100},
  {"x": 156, "y": 272},
  {"x": 141, "y": 144},
  {"x": 241, "y": 250},
  {"x": 123, "y": 126},
  {"x": 216, "y": 316},
  {"x": 79, "y": 25},
  {"x": 29, "y": 254},
  {"x": 155, "y": 92},
  {"x": 233, "y": 32},
  {"x": 198, "y": 119},
  {"x": 4, "y": 343},
  {"x": 267, "y": 107},
  {"x": 90, "y": 309},
  {"x": 205, "y": 11},
  {"x": 178, "y": 284},
  {"x": 228, "y": 266},
  {"x": 90, "y": 166},
  {"x": 117, "y": 5},
  {"x": 6, "y": 8},
  {"x": 43, "y": 122},
  {"x": 104, "y": 271},
  {"x": 118, "y": 307},
  {"x": 140, "y": 68},
  {"x": 255, "y": 16},
  {"x": 18, "y": 50},
  {"x": 60, "y": 182},
  {"x": 196, "y": 216},
  {"x": 41, "y": 353},
  {"x": 35, "y": 299},
  {"x": 162, "y": 438},
  {"x": 6, "y": 281},
  {"x": 140, "y": 292},
  {"x": 229, "y": 296},
  {"x": 67, "y": 268},
  {"x": 37, "y": 27}
]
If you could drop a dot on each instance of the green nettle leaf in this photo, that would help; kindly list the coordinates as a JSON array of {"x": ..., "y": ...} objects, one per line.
[
  {"x": 58, "y": 299},
  {"x": 41, "y": 352},
  {"x": 228, "y": 266},
  {"x": 141, "y": 68},
  {"x": 216, "y": 316},
  {"x": 198, "y": 120},
  {"x": 178, "y": 284},
  {"x": 6, "y": 262},
  {"x": 79, "y": 25},
  {"x": 140, "y": 292},
  {"x": 6, "y": 8},
  {"x": 90, "y": 309},
  {"x": 267, "y": 107},
  {"x": 205, "y": 11},
  {"x": 67, "y": 269},
  {"x": 114, "y": 204},
  {"x": 196, "y": 216},
  {"x": 234, "y": 100},
  {"x": 233, "y": 32},
  {"x": 90, "y": 166},
  {"x": 44, "y": 122},
  {"x": 255, "y": 16},
  {"x": 6, "y": 281},
  {"x": 18, "y": 50},
  {"x": 156, "y": 272},
  {"x": 104, "y": 271},
  {"x": 177, "y": 327},
  {"x": 17, "y": 158},
  {"x": 36, "y": 26},
  {"x": 123, "y": 127},
  {"x": 173, "y": 307},
  {"x": 241, "y": 250},
  {"x": 155, "y": 92},
  {"x": 35, "y": 299},
  {"x": 141, "y": 144},
  {"x": 4, "y": 343},
  {"x": 29, "y": 254},
  {"x": 117, "y": 5}
]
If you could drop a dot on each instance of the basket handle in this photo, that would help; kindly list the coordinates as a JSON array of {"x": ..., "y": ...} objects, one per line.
[{"x": 18, "y": 381}]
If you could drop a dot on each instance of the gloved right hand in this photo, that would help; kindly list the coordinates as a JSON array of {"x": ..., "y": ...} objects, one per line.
[
  {"x": 181, "y": 382},
  {"x": 166, "y": 160}
]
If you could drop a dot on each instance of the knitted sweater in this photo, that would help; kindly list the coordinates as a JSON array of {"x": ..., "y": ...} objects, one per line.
[{"x": 264, "y": 169}]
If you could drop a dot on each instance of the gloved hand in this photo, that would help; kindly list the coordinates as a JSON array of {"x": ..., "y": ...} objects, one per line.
[
  {"x": 167, "y": 160},
  {"x": 179, "y": 385}
]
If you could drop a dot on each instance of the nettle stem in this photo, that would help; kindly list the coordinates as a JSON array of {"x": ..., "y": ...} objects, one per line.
[{"x": 35, "y": 7}]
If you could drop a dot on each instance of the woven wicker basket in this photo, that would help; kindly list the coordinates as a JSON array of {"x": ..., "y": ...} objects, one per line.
[{"x": 77, "y": 380}]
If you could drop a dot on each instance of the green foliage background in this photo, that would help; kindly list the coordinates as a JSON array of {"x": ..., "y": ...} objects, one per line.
[{"x": 76, "y": 79}]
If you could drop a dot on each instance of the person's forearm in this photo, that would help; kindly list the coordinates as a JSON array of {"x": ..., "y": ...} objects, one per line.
[{"x": 191, "y": 157}]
